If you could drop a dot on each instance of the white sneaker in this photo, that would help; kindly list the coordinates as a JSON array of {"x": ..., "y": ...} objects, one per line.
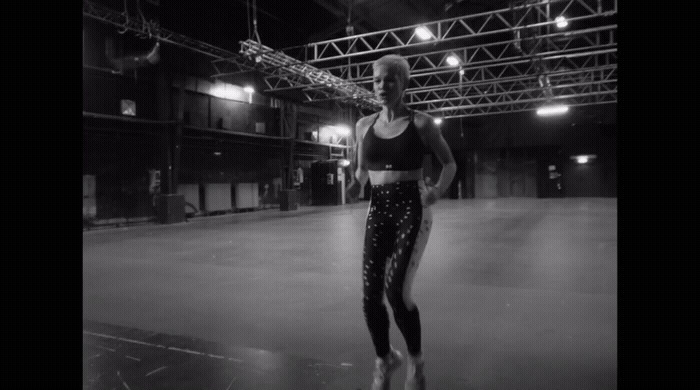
[
  {"x": 415, "y": 378},
  {"x": 384, "y": 368}
]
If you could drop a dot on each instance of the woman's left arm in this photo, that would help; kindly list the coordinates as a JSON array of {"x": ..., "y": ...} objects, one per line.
[{"x": 434, "y": 140}]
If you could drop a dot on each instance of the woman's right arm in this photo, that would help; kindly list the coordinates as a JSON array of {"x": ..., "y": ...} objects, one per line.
[{"x": 361, "y": 174}]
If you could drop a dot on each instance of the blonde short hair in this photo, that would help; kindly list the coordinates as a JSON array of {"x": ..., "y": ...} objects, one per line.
[{"x": 397, "y": 64}]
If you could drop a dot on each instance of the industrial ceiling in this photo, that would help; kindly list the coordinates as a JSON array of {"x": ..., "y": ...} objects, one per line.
[{"x": 511, "y": 56}]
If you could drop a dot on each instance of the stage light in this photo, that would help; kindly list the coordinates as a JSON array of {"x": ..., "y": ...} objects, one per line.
[
  {"x": 423, "y": 33},
  {"x": 561, "y": 21},
  {"x": 583, "y": 158},
  {"x": 550, "y": 110},
  {"x": 342, "y": 130}
]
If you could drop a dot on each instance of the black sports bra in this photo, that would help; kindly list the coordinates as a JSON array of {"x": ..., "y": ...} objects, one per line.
[{"x": 401, "y": 153}]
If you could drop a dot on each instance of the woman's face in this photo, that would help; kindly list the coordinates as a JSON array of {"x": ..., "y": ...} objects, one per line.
[{"x": 388, "y": 87}]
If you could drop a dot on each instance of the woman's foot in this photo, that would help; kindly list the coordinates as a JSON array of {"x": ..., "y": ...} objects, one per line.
[
  {"x": 383, "y": 369},
  {"x": 415, "y": 378}
]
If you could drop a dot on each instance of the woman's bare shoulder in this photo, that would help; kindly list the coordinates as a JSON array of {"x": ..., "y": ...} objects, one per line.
[
  {"x": 363, "y": 123},
  {"x": 421, "y": 119},
  {"x": 366, "y": 120}
]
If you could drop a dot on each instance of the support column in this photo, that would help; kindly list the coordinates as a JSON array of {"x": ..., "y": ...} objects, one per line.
[
  {"x": 288, "y": 128},
  {"x": 177, "y": 137},
  {"x": 291, "y": 121},
  {"x": 165, "y": 113}
]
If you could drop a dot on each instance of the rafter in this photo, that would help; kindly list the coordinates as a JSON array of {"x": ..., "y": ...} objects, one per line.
[
  {"x": 499, "y": 75},
  {"x": 497, "y": 69}
]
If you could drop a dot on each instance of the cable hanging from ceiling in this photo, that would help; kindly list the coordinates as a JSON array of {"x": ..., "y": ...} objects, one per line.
[
  {"x": 255, "y": 35},
  {"x": 146, "y": 24},
  {"x": 528, "y": 42},
  {"x": 126, "y": 15}
]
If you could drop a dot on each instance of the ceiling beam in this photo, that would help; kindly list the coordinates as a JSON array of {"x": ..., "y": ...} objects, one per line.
[{"x": 342, "y": 14}]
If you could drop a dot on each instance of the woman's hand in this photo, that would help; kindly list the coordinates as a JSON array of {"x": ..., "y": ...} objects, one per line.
[
  {"x": 353, "y": 191},
  {"x": 431, "y": 194}
]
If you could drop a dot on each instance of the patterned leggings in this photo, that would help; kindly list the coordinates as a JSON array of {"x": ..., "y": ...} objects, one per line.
[{"x": 397, "y": 232}]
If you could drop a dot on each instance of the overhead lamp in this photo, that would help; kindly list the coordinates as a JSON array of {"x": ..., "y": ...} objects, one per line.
[
  {"x": 583, "y": 158},
  {"x": 461, "y": 72},
  {"x": 342, "y": 130},
  {"x": 561, "y": 21},
  {"x": 249, "y": 89},
  {"x": 452, "y": 60},
  {"x": 344, "y": 163},
  {"x": 333, "y": 133},
  {"x": 437, "y": 121},
  {"x": 550, "y": 110},
  {"x": 423, "y": 33}
]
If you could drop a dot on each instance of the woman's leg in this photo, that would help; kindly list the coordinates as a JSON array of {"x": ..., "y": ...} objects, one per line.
[
  {"x": 374, "y": 258},
  {"x": 409, "y": 244}
]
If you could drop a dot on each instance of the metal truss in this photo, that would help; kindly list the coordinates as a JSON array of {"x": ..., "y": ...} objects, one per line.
[
  {"x": 502, "y": 53},
  {"x": 490, "y": 63},
  {"x": 498, "y": 56},
  {"x": 138, "y": 26},
  {"x": 294, "y": 73},
  {"x": 585, "y": 88},
  {"x": 505, "y": 94},
  {"x": 455, "y": 29}
]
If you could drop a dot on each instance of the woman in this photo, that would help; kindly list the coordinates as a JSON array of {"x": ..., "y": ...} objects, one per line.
[{"x": 390, "y": 149}]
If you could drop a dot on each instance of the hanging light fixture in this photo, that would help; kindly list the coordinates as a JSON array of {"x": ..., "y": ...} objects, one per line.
[
  {"x": 561, "y": 21},
  {"x": 583, "y": 158},
  {"x": 452, "y": 60},
  {"x": 552, "y": 109},
  {"x": 342, "y": 130},
  {"x": 549, "y": 108},
  {"x": 423, "y": 33}
]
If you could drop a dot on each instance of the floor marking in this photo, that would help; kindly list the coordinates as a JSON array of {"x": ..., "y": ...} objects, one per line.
[
  {"x": 137, "y": 342},
  {"x": 186, "y": 351},
  {"x": 100, "y": 335},
  {"x": 156, "y": 370},
  {"x": 123, "y": 383},
  {"x": 322, "y": 364},
  {"x": 156, "y": 346},
  {"x": 230, "y": 383}
]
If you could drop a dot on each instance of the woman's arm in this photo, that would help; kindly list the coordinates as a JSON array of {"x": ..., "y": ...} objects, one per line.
[
  {"x": 361, "y": 174},
  {"x": 433, "y": 138}
]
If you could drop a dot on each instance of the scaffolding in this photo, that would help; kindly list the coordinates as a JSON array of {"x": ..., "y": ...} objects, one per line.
[
  {"x": 498, "y": 71},
  {"x": 504, "y": 56}
]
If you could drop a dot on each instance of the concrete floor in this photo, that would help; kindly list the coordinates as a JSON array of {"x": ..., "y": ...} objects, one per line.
[{"x": 514, "y": 294}]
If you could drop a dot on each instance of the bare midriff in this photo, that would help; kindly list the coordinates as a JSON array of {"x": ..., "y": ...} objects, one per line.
[{"x": 386, "y": 177}]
